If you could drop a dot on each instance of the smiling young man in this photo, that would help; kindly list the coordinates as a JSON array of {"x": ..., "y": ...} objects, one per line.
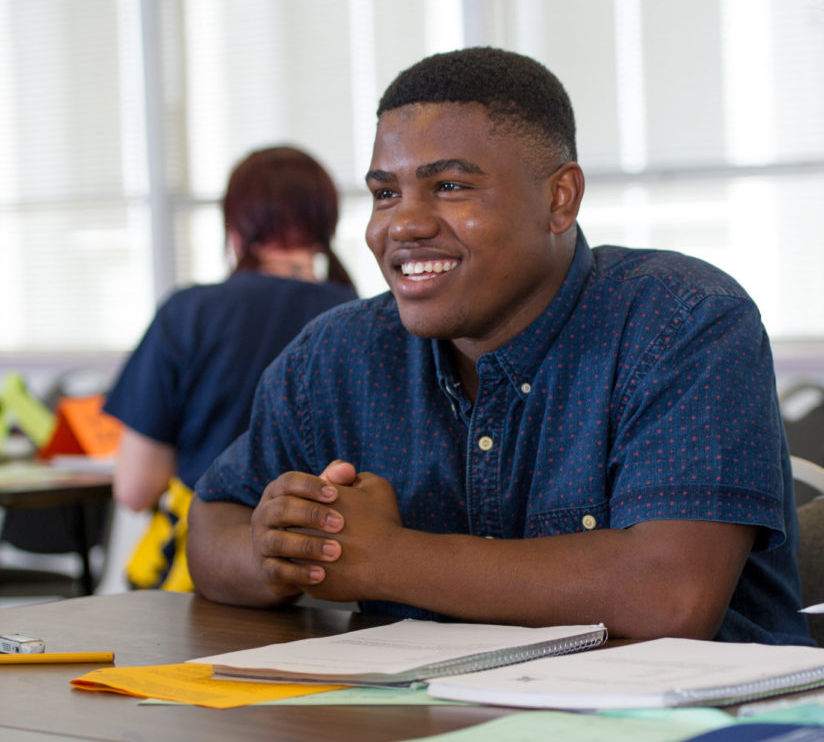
[{"x": 524, "y": 430}]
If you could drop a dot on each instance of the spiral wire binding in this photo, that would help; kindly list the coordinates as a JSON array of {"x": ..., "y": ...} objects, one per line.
[
  {"x": 730, "y": 694},
  {"x": 503, "y": 657}
]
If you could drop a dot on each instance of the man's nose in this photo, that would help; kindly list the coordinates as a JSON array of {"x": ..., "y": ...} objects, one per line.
[{"x": 413, "y": 219}]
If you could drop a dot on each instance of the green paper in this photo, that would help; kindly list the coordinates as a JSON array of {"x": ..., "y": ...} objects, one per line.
[
  {"x": 540, "y": 726},
  {"x": 807, "y": 713},
  {"x": 711, "y": 718},
  {"x": 367, "y": 697}
]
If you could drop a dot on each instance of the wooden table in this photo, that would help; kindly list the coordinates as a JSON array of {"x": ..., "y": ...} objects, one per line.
[
  {"x": 153, "y": 627},
  {"x": 33, "y": 485}
]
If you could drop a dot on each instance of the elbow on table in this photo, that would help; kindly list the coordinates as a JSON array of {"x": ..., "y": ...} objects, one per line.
[
  {"x": 680, "y": 577},
  {"x": 685, "y": 614}
]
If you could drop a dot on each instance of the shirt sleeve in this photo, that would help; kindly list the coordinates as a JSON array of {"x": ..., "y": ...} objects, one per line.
[
  {"x": 146, "y": 395},
  {"x": 698, "y": 434}
]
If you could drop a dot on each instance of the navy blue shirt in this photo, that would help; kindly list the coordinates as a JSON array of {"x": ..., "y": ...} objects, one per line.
[
  {"x": 191, "y": 380},
  {"x": 644, "y": 391}
]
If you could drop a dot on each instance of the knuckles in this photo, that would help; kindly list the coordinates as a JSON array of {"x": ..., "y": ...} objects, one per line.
[{"x": 288, "y": 483}]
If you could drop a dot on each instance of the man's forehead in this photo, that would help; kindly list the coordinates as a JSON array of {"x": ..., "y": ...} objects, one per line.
[
  {"x": 423, "y": 133},
  {"x": 414, "y": 112}
]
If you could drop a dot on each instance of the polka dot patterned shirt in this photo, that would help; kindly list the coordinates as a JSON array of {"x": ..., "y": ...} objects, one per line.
[{"x": 645, "y": 391}]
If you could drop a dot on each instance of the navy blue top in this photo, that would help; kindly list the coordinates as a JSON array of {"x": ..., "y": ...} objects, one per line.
[
  {"x": 645, "y": 391},
  {"x": 191, "y": 380}
]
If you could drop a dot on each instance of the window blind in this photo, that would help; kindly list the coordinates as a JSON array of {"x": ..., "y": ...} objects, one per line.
[{"x": 701, "y": 129}]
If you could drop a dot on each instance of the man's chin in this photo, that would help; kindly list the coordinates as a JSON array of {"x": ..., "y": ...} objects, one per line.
[{"x": 428, "y": 330}]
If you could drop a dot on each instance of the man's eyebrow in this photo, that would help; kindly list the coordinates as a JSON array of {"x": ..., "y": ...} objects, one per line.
[
  {"x": 441, "y": 166},
  {"x": 380, "y": 176},
  {"x": 456, "y": 164}
]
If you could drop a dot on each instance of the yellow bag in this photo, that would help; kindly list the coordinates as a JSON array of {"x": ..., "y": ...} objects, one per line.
[{"x": 159, "y": 559}]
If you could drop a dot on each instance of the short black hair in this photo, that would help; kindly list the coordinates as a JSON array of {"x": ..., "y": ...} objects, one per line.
[{"x": 519, "y": 93}]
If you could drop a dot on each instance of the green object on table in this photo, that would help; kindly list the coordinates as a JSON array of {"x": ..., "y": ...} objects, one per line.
[
  {"x": 539, "y": 726},
  {"x": 5, "y": 426},
  {"x": 28, "y": 413}
]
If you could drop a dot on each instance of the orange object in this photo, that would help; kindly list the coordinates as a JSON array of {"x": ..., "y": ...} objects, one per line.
[
  {"x": 81, "y": 427},
  {"x": 191, "y": 683}
]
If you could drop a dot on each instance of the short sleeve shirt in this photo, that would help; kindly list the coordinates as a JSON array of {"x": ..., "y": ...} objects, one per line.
[
  {"x": 644, "y": 391},
  {"x": 191, "y": 380}
]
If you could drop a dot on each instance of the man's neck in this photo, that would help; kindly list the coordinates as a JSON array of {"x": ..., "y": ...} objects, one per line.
[{"x": 467, "y": 372}]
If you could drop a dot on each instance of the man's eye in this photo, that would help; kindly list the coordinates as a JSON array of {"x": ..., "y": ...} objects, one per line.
[
  {"x": 383, "y": 193},
  {"x": 449, "y": 186}
]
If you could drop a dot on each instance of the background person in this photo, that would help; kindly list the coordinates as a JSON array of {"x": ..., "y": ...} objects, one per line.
[{"x": 186, "y": 391}]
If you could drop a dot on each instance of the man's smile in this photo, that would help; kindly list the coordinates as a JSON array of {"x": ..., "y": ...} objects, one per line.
[{"x": 422, "y": 269}]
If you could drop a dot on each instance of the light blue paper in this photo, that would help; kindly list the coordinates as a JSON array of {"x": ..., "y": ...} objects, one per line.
[
  {"x": 540, "y": 726},
  {"x": 807, "y": 713},
  {"x": 711, "y": 718}
]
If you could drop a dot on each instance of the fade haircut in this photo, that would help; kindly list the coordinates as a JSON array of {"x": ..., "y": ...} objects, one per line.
[{"x": 521, "y": 96}]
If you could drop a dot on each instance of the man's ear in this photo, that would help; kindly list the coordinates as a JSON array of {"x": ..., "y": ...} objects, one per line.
[{"x": 567, "y": 190}]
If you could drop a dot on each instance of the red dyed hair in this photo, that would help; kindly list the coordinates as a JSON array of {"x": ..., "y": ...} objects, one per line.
[{"x": 281, "y": 194}]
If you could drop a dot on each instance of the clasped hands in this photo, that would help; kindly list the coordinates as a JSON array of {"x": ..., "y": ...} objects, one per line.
[{"x": 325, "y": 535}]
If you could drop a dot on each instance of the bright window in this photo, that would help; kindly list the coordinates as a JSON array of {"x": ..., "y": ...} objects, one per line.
[{"x": 701, "y": 129}]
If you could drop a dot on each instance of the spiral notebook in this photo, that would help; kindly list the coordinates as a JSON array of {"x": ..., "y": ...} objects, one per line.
[
  {"x": 660, "y": 673},
  {"x": 402, "y": 653}
]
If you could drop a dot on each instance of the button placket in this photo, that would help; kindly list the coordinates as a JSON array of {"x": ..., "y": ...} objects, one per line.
[{"x": 484, "y": 449}]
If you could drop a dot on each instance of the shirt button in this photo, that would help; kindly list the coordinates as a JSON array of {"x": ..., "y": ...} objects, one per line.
[
  {"x": 526, "y": 387},
  {"x": 589, "y": 522},
  {"x": 485, "y": 443}
]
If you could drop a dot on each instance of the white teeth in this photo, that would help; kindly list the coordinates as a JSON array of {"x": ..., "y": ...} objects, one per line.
[{"x": 430, "y": 266}]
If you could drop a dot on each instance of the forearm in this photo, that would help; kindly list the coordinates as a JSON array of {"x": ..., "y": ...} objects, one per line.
[
  {"x": 638, "y": 586},
  {"x": 535, "y": 582},
  {"x": 220, "y": 555}
]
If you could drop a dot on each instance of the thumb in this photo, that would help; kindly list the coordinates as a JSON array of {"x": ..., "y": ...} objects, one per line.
[{"x": 339, "y": 472}]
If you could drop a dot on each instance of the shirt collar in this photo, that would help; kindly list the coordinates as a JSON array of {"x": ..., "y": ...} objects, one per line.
[
  {"x": 522, "y": 356},
  {"x": 449, "y": 379}
]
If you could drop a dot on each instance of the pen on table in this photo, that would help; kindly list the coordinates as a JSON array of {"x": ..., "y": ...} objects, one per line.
[{"x": 47, "y": 658}]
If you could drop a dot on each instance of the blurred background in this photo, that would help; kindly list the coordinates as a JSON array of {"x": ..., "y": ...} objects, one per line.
[{"x": 701, "y": 129}]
